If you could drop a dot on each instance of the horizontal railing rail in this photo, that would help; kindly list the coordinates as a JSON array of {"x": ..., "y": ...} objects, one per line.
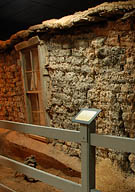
[
  {"x": 54, "y": 133},
  {"x": 117, "y": 143},
  {"x": 56, "y": 181},
  {"x": 89, "y": 141}
]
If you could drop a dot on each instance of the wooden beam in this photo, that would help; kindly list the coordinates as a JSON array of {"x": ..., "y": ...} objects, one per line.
[{"x": 26, "y": 44}]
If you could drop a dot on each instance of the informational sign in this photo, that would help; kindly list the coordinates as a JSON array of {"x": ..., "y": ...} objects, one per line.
[{"x": 86, "y": 116}]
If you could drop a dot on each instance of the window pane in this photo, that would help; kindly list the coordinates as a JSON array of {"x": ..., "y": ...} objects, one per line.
[
  {"x": 36, "y": 118},
  {"x": 37, "y": 80},
  {"x": 35, "y": 59},
  {"x": 33, "y": 81},
  {"x": 30, "y": 81},
  {"x": 27, "y": 60},
  {"x": 34, "y": 100}
]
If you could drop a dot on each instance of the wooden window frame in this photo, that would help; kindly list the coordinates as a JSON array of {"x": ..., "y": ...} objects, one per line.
[{"x": 27, "y": 46}]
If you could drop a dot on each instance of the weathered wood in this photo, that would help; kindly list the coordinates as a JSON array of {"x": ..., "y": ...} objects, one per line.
[
  {"x": 45, "y": 80},
  {"x": 32, "y": 86},
  {"x": 26, "y": 44}
]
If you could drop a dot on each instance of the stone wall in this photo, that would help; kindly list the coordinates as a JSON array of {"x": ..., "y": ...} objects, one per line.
[
  {"x": 11, "y": 88},
  {"x": 87, "y": 66},
  {"x": 94, "y": 66}
]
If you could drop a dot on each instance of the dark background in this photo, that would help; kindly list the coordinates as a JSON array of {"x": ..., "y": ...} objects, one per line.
[{"x": 16, "y": 15}]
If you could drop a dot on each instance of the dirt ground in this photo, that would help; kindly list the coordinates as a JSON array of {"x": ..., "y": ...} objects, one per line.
[
  {"x": 109, "y": 179},
  {"x": 7, "y": 177},
  {"x": 18, "y": 146},
  {"x": 45, "y": 163}
]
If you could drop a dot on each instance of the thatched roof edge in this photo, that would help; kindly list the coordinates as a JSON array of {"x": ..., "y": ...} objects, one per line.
[{"x": 92, "y": 15}]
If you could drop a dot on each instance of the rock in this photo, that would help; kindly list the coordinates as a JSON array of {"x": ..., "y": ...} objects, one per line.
[{"x": 132, "y": 162}]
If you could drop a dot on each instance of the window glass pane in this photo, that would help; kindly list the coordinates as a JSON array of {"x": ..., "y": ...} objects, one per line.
[
  {"x": 34, "y": 100},
  {"x": 27, "y": 60},
  {"x": 35, "y": 59},
  {"x": 37, "y": 80},
  {"x": 33, "y": 81},
  {"x": 29, "y": 81},
  {"x": 36, "y": 118}
]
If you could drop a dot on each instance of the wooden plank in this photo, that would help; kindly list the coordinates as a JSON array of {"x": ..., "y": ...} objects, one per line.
[
  {"x": 26, "y": 44},
  {"x": 33, "y": 92},
  {"x": 45, "y": 81},
  {"x": 53, "y": 180},
  {"x": 39, "y": 138},
  {"x": 32, "y": 71},
  {"x": 54, "y": 133},
  {"x": 118, "y": 143}
]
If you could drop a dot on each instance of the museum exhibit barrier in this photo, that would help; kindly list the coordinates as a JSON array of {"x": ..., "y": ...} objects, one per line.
[{"x": 89, "y": 141}]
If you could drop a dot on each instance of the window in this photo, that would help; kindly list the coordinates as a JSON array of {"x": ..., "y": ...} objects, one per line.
[
  {"x": 37, "y": 85},
  {"x": 36, "y": 82},
  {"x": 32, "y": 86}
]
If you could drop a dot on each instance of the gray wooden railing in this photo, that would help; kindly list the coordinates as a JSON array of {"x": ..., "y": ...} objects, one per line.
[{"x": 88, "y": 139}]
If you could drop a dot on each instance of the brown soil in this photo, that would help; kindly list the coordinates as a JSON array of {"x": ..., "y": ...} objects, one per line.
[
  {"x": 8, "y": 178},
  {"x": 109, "y": 178},
  {"x": 45, "y": 163}
]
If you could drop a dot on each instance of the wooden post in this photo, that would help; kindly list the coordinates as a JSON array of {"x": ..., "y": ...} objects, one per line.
[{"x": 88, "y": 157}]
